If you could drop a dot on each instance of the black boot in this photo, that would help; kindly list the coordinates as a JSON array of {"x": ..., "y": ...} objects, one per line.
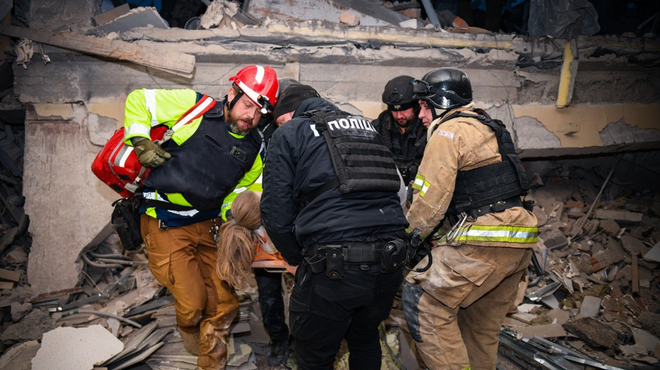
[{"x": 279, "y": 353}]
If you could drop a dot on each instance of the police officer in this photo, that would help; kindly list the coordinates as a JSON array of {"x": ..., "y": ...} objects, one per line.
[
  {"x": 330, "y": 206},
  {"x": 471, "y": 174},
  {"x": 399, "y": 126},
  {"x": 187, "y": 192}
]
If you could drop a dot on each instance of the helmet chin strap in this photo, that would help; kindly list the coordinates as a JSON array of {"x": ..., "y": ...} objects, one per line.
[{"x": 236, "y": 98}]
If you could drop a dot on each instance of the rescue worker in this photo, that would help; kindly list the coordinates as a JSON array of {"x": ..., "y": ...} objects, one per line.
[
  {"x": 472, "y": 175},
  {"x": 194, "y": 178},
  {"x": 401, "y": 129},
  {"x": 336, "y": 214}
]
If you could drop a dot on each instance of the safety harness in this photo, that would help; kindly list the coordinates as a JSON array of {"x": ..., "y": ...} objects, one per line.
[{"x": 491, "y": 188}]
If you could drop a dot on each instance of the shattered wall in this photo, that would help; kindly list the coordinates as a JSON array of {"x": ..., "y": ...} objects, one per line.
[{"x": 76, "y": 102}]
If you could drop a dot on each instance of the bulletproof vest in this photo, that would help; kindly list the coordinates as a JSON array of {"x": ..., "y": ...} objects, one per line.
[
  {"x": 488, "y": 184},
  {"x": 207, "y": 166},
  {"x": 360, "y": 159}
]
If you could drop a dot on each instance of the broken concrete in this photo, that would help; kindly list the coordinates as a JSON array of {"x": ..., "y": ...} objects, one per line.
[
  {"x": 593, "y": 331},
  {"x": 31, "y": 327}
]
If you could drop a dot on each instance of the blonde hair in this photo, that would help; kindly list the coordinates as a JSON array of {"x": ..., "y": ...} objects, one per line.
[{"x": 237, "y": 240}]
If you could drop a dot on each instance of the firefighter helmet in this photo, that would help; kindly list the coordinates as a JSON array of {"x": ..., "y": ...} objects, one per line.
[
  {"x": 260, "y": 84},
  {"x": 444, "y": 88}
]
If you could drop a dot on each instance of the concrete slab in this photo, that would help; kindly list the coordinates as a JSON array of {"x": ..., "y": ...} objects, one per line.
[
  {"x": 76, "y": 348},
  {"x": 67, "y": 204}
]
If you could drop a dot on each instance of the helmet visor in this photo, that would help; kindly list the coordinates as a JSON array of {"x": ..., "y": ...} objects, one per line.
[{"x": 421, "y": 89}]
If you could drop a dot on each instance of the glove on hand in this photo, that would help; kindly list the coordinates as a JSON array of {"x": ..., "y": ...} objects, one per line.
[{"x": 150, "y": 154}]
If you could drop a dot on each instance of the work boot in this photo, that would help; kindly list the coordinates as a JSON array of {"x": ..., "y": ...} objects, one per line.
[
  {"x": 279, "y": 353},
  {"x": 190, "y": 340},
  {"x": 212, "y": 349}
]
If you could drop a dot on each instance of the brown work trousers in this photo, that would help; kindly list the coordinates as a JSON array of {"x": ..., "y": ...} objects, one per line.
[
  {"x": 183, "y": 259},
  {"x": 462, "y": 302}
]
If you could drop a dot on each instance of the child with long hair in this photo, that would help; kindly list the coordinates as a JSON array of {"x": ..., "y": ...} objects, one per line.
[
  {"x": 238, "y": 240},
  {"x": 243, "y": 244}
]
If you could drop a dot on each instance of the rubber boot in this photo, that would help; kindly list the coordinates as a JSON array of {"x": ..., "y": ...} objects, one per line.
[
  {"x": 279, "y": 353},
  {"x": 190, "y": 339},
  {"x": 212, "y": 348}
]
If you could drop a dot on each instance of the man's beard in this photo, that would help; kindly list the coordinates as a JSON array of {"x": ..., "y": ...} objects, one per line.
[
  {"x": 406, "y": 123},
  {"x": 235, "y": 128}
]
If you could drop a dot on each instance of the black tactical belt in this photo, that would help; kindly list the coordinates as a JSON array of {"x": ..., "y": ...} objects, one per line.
[
  {"x": 496, "y": 207},
  {"x": 353, "y": 252}
]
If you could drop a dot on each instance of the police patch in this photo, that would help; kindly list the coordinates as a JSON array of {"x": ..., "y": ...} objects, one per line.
[{"x": 445, "y": 133}]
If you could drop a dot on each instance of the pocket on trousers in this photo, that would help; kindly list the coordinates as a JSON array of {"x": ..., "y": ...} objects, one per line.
[
  {"x": 160, "y": 265},
  {"x": 460, "y": 272}
]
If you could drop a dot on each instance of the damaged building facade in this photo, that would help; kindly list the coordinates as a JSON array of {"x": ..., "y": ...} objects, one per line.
[{"x": 576, "y": 107}]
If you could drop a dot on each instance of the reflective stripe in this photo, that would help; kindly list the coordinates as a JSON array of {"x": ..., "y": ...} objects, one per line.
[
  {"x": 260, "y": 73},
  {"x": 124, "y": 157},
  {"x": 500, "y": 234},
  {"x": 154, "y": 196},
  {"x": 150, "y": 102},
  {"x": 199, "y": 109},
  {"x": 424, "y": 189},
  {"x": 419, "y": 182},
  {"x": 137, "y": 129},
  {"x": 251, "y": 93}
]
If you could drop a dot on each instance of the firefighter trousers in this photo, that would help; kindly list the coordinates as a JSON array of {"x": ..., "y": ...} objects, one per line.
[
  {"x": 183, "y": 260},
  {"x": 455, "y": 310}
]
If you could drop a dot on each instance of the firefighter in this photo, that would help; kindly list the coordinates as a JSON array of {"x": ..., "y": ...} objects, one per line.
[
  {"x": 333, "y": 210},
  {"x": 472, "y": 175},
  {"x": 194, "y": 178},
  {"x": 401, "y": 128}
]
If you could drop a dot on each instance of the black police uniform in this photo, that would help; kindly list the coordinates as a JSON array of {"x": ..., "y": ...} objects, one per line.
[
  {"x": 407, "y": 148},
  {"x": 301, "y": 221}
]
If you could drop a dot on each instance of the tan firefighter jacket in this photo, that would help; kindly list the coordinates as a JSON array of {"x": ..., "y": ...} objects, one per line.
[{"x": 464, "y": 144}]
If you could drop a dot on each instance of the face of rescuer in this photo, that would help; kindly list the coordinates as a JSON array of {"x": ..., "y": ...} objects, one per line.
[
  {"x": 404, "y": 118},
  {"x": 244, "y": 115},
  {"x": 425, "y": 113}
]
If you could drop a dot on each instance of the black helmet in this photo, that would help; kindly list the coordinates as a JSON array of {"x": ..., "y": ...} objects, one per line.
[
  {"x": 398, "y": 94},
  {"x": 444, "y": 88},
  {"x": 286, "y": 82}
]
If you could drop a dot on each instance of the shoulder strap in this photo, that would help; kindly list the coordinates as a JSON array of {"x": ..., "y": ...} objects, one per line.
[{"x": 202, "y": 106}]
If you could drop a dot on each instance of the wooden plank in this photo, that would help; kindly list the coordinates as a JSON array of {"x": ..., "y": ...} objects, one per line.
[
  {"x": 9, "y": 275},
  {"x": 6, "y": 285},
  {"x": 177, "y": 63}
]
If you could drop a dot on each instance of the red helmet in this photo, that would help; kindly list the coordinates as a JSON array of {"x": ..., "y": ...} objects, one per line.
[{"x": 259, "y": 84}]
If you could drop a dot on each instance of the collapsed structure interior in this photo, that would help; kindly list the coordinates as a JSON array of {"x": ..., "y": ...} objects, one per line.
[{"x": 578, "y": 90}]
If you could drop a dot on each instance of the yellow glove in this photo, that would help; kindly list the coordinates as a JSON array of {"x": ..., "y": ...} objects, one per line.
[{"x": 149, "y": 153}]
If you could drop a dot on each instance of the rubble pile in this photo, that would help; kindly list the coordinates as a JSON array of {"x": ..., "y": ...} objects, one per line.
[
  {"x": 595, "y": 292},
  {"x": 119, "y": 294}
]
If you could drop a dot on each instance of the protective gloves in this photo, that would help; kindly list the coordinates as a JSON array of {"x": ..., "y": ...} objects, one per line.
[{"x": 149, "y": 153}]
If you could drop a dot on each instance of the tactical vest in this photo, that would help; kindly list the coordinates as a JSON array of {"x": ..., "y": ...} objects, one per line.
[
  {"x": 360, "y": 159},
  {"x": 489, "y": 184},
  {"x": 207, "y": 166}
]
